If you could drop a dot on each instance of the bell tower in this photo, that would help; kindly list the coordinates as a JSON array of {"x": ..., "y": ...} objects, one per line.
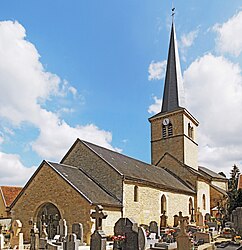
[{"x": 174, "y": 129}]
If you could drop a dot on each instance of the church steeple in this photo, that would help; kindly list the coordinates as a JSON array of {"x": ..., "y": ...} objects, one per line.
[
  {"x": 173, "y": 96},
  {"x": 174, "y": 129}
]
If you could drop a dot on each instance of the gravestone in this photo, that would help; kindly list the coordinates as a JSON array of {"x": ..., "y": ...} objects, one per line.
[
  {"x": 207, "y": 217},
  {"x": 71, "y": 243},
  {"x": 34, "y": 238},
  {"x": 51, "y": 246},
  {"x": 77, "y": 229},
  {"x": 62, "y": 229},
  {"x": 237, "y": 219},
  {"x": 128, "y": 228},
  {"x": 163, "y": 220},
  {"x": 98, "y": 238},
  {"x": 16, "y": 229},
  {"x": 142, "y": 240},
  {"x": 199, "y": 218},
  {"x": 44, "y": 237},
  {"x": 153, "y": 228},
  {"x": 183, "y": 241},
  {"x": 206, "y": 237},
  {"x": 176, "y": 222},
  {"x": 21, "y": 241}
]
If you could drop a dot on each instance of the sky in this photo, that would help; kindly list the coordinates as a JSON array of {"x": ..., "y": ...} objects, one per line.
[{"x": 95, "y": 70}]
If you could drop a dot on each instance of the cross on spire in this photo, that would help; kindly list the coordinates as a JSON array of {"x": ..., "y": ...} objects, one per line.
[{"x": 98, "y": 215}]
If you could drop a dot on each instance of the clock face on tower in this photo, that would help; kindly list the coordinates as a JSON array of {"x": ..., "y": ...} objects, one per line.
[{"x": 166, "y": 121}]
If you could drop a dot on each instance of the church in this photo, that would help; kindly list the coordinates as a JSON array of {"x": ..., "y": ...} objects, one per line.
[{"x": 90, "y": 175}]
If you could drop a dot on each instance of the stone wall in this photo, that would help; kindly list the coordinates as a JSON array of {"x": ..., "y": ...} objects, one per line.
[
  {"x": 48, "y": 187},
  {"x": 100, "y": 171},
  {"x": 148, "y": 206},
  {"x": 203, "y": 188}
]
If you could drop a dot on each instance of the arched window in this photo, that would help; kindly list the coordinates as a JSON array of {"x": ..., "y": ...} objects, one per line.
[
  {"x": 163, "y": 204},
  {"x": 135, "y": 193},
  {"x": 190, "y": 205},
  {"x": 204, "y": 202},
  {"x": 170, "y": 129}
]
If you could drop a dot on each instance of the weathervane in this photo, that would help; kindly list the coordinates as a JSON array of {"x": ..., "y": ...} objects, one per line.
[{"x": 173, "y": 11}]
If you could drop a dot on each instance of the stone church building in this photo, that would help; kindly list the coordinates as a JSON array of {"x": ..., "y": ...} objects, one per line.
[{"x": 89, "y": 175}]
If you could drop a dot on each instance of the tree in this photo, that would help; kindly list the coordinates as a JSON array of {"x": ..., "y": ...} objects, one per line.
[{"x": 233, "y": 192}]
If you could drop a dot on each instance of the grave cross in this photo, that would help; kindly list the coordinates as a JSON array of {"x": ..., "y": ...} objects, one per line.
[
  {"x": 98, "y": 215},
  {"x": 183, "y": 223}
]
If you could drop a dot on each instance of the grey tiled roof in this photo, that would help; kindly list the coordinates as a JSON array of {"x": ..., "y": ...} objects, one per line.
[
  {"x": 133, "y": 169},
  {"x": 84, "y": 185},
  {"x": 211, "y": 173}
]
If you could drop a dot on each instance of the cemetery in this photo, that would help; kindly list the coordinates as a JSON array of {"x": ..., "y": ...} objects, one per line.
[{"x": 186, "y": 233}]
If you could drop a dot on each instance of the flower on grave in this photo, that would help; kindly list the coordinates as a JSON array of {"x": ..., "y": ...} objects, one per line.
[
  {"x": 119, "y": 238},
  {"x": 237, "y": 237}
]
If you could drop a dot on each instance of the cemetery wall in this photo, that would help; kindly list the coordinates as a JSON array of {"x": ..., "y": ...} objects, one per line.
[
  {"x": 2, "y": 207},
  {"x": 221, "y": 184},
  {"x": 96, "y": 167},
  {"x": 148, "y": 206},
  {"x": 48, "y": 186},
  {"x": 203, "y": 188}
]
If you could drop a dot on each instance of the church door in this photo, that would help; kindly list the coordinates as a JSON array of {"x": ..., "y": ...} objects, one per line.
[{"x": 50, "y": 215}]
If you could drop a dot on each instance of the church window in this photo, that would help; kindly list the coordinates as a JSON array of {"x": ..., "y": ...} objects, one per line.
[
  {"x": 163, "y": 203},
  {"x": 190, "y": 131},
  {"x": 170, "y": 129},
  {"x": 136, "y": 193},
  {"x": 163, "y": 131},
  {"x": 190, "y": 205},
  {"x": 204, "y": 202}
]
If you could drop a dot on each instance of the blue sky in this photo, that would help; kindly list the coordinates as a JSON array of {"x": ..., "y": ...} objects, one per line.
[{"x": 93, "y": 69}]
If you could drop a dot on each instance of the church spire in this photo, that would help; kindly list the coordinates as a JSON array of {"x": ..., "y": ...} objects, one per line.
[{"x": 173, "y": 96}]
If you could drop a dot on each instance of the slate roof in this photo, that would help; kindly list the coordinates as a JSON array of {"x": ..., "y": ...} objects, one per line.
[
  {"x": 85, "y": 185},
  {"x": 9, "y": 193},
  {"x": 173, "y": 96},
  {"x": 211, "y": 173},
  {"x": 133, "y": 169}
]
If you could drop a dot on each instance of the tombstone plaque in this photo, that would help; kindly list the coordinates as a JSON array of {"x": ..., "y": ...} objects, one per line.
[
  {"x": 72, "y": 243},
  {"x": 98, "y": 240}
]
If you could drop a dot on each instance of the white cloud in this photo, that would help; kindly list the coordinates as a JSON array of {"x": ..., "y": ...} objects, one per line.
[
  {"x": 187, "y": 40},
  {"x": 157, "y": 70},
  {"x": 229, "y": 35},
  {"x": 12, "y": 171},
  {"x": 25, "y": 87},
  {"x": 155, "y": 107},
  {"x": 214, "y": 93}
]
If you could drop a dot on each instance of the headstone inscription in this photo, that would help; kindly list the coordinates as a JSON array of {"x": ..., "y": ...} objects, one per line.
[
  {"x": 129, "y": 229},
  {"x": 98, "y": 238},
  {"x": 183, "y": 241}
]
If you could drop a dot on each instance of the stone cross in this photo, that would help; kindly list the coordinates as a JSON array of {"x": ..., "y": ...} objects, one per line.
[
  {"x": 183, "y": 223},
  {"x": 98, "y": 215}
]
